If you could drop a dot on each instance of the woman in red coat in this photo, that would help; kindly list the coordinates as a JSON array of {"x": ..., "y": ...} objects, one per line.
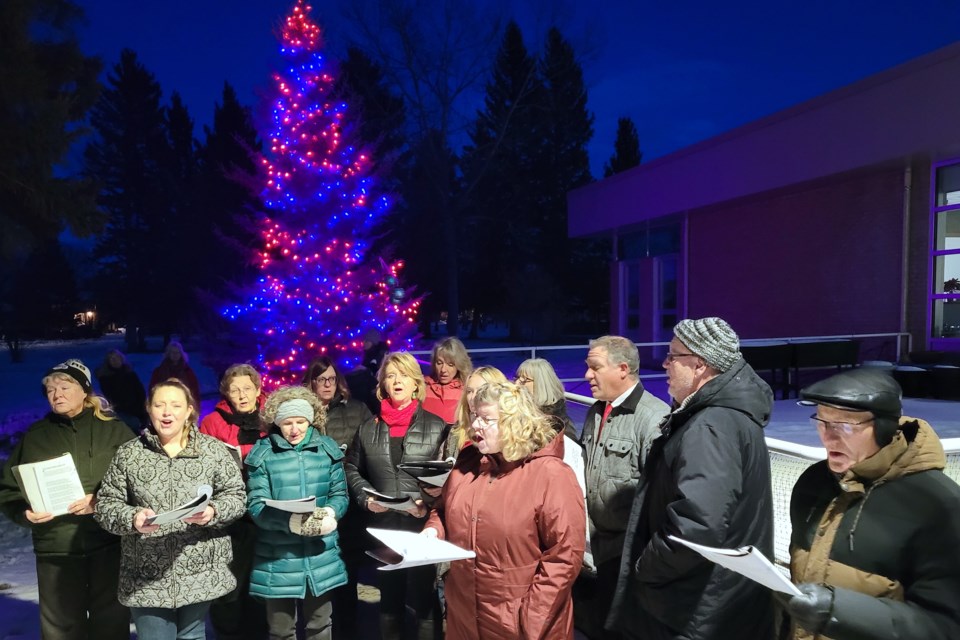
[
  {"x": 236, "y": 422},
  {"x": 236, "y": 418},
  {"x": 450, "y": 367},
  {"x": 514, "y": 502}
]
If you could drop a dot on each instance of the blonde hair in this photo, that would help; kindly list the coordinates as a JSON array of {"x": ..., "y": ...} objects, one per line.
[
  {"x": 547, "y": 388},
  {"x": 407, "y": 365},
  {"x": 524, "y": 430},
  {"x": 453, "y": 350},
  {"x": 100, "y": 405},
  {"x": 191, "y": 422},
  {"x": 295, "y": 392},
  {"x": 238, "y": 371},
  {"x": 462, "y": 418}
]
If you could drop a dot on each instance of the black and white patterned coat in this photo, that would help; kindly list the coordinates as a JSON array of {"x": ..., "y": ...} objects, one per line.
[{"x": 181, "y": 563}]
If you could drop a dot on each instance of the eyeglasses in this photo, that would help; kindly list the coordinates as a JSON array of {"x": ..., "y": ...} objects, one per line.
[
  {"x": 840, "y": 428},
  {"x": 484, "y": 423},
  {"x": 323, "y": 381},
  {"x": 522, "y": 380},
  {"x": 242, "y": 391},
  {"x": 671, "y": 356}
]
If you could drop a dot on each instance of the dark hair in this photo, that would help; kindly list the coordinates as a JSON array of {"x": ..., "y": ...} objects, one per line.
[{"x": 318, "y": 366}]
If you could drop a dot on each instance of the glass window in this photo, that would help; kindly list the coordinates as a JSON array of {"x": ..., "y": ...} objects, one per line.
[
  {"x": 946, "y": 318},
  {"x": 946, "y": 271},
  {"x": 948, "y": 229},
  {"x": 650, "y": 243},
  {"x": 948, "y": 185},
  {"x": 945, "y": 279}
]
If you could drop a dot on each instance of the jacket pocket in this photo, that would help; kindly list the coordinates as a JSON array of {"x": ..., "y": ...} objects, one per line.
[{"x": 617, "y": 447}]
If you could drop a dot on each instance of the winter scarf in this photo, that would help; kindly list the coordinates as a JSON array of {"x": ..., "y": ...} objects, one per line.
[{"x": 397, "y": 419}]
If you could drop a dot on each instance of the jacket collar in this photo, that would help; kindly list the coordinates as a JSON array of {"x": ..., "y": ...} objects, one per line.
[{"x": 914, "y": 448}]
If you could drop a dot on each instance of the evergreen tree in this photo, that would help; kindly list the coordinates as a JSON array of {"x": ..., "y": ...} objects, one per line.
[
  {"x": 47, "y": 87},
  {"x": 320, "y": 288},
  {"x": 626, "y": 149},
  {"x": 31, "y": 312},
  {"x": 229, "y": 192},
  {"x": 379, "y": 111},
  {"x": 130, "y": 158},
  {"x": 179, "y": 226},
  {"x": 503, "y": 172},
  {"x": 435, "y": 57}
]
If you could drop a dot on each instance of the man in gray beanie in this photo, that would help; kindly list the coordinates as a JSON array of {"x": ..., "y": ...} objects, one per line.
[
  {"x": 876, "y": 525},
  {"x": 706, "y": 480}
]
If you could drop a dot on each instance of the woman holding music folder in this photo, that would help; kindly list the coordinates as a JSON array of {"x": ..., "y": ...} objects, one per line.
[
  {"x": 172, "y": 564},
  {"x": 77, "y": 561},
  {"x": 511, "y": 499},
  {"x": 403, "y": 433},
  {"x": 297, "y": 557}
]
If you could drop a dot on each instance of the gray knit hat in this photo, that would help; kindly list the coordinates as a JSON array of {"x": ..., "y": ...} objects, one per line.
[
  {"x": 712, "y": 339},
  {"x": 296, "y": 407}
]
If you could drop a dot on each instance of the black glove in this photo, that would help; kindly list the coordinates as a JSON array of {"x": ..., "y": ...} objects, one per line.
[{"x": 813, "y": 609}]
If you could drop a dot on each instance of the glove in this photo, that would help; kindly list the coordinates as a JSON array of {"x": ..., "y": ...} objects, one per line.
[
  {"x": 322, "y": 521},
  {"x": 813, "y": 609}
]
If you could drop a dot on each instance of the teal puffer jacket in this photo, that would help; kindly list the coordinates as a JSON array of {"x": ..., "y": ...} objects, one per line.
[{"x": 286, "y": 564}]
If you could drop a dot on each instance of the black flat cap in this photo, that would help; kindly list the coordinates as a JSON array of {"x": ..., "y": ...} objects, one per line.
[{"x": 857, "y": 390}]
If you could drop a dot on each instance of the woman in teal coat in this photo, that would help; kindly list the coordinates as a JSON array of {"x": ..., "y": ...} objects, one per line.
[{"x": 297, "y": 556}]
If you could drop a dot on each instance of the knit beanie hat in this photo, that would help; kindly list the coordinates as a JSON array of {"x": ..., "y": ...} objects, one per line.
[
  {"x": 297, "y": 407},
  {"x": 712, "y": 339},
  {"x": 76, "y": 370}
]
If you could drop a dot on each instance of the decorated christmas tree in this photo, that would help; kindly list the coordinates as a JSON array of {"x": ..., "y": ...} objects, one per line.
[{"x": 319, "y": 291}]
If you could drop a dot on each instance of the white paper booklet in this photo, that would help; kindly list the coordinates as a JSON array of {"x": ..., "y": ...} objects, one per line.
[
  {"x": 50, "y": 486},
  {"x": 435, "y": 481},
  {"x": 746, "y": 561},
  {"x": 193, "y": 507},
  {"x": 396, "y": 503},
  {"x": 300, "y": 505},
  {"x": 236, "y": 454},
  {"x": 411, "y": 549}
]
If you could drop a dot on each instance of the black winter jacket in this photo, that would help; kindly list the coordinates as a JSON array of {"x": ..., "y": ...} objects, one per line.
[
  {"x": 344, "y": 417},
  {"x": 885, "y": 535},
  {"x": 92, "y": 442},
  {"x": 368, "y": 464},
  {"x": 707, "y": 480}
]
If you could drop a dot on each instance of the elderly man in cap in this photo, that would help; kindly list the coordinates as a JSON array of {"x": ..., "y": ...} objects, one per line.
[
  {"x": 875, "y": 547},
  {"x": 707, "y": 480}
]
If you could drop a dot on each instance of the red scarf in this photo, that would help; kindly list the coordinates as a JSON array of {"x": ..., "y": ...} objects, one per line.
[{"x": 397, "y": 419}]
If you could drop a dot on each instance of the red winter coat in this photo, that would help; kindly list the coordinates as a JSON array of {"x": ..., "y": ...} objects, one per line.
[
  {"x": 442, "y": 399},
  {"x": 526, "y": 522},
  {"x": 214, "y": 424}
]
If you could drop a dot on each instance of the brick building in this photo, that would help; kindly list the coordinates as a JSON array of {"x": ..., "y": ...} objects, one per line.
[{"x": 840, "y": 215}]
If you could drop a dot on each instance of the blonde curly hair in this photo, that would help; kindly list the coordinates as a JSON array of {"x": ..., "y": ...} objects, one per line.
[
  {"x": 524, "y": 429},
  {"x": 282, "y": 394}
]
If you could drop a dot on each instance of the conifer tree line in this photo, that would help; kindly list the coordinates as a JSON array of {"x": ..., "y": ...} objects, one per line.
[{"x": 481, "y": 192}]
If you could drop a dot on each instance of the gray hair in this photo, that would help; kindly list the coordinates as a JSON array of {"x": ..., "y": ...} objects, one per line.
[
  {"x": 620, "y": 350},
  {"x": 547, "y": 388}
]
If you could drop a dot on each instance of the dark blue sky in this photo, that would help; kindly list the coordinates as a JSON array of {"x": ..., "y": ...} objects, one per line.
[{"x": 683, "y": 70}]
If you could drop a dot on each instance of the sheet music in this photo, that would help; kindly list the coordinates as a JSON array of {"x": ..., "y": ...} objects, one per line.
[
  {"x": 193, "y": 507},
  {"x": 746, "y": 561},
  {"x": 300, "y": 505},
  {"x": 411, "y": 549},
  {"x": 50, "y": 486}
]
